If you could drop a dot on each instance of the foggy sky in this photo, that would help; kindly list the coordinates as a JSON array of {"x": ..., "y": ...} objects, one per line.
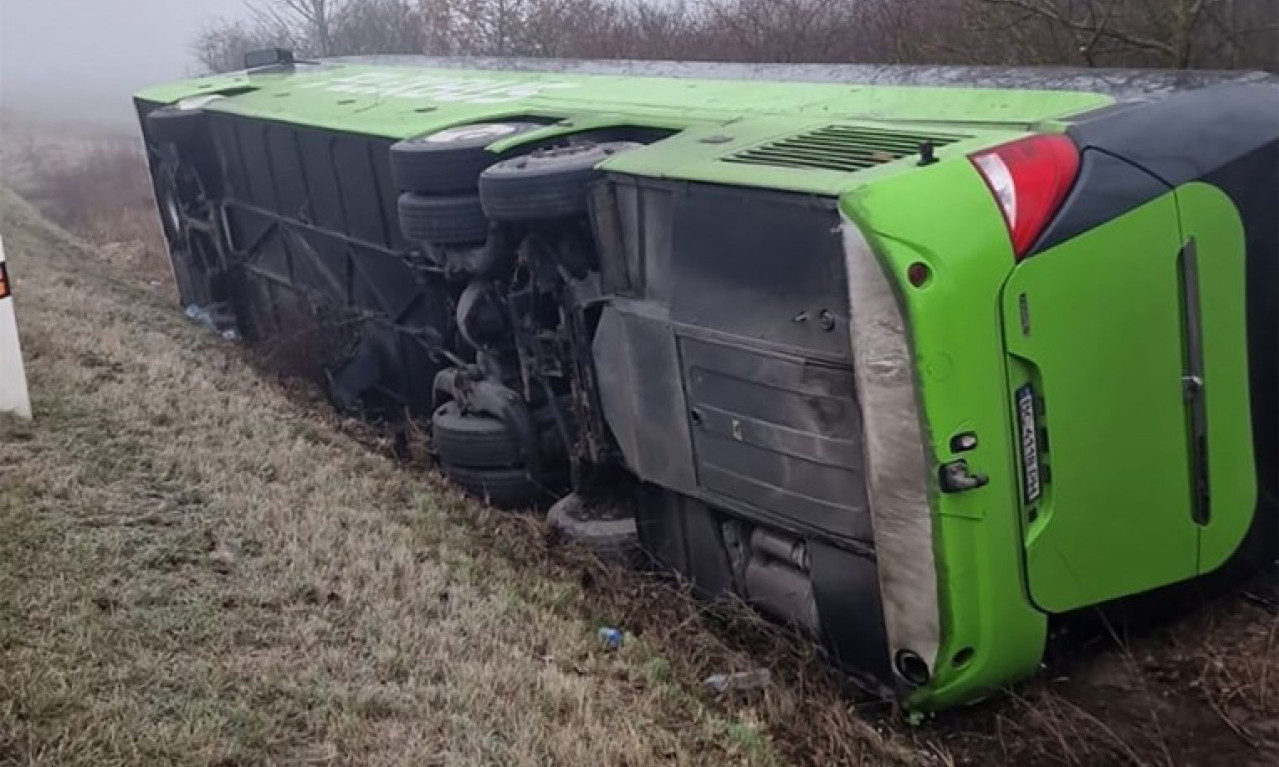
[{"x": 82, "y": 59}]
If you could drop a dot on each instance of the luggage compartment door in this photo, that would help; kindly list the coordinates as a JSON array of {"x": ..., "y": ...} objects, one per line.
[
  {"x": 1095, "y": 332},
  {"x": 1214, "y": 259}
]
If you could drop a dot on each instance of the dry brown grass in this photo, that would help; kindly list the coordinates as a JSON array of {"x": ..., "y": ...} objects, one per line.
[{"x": 1198, "y": 691}]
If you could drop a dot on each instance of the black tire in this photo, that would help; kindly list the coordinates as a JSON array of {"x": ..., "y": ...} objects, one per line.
[
  {"x": 473, "y": 441},
  {"x": 449, "y": 161},
  {"x": 175, "y": 125},
  {"x": 451, "y": 220},
  {"x": 503, "y": 488},
  {"x": 545, "y": 184},
  {"x": 482, "y": 442}
]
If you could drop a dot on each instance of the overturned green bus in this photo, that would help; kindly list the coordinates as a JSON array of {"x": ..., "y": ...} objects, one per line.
[{"x": 919, "y": 360}]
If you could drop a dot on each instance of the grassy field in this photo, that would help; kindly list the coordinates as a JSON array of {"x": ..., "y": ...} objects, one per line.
[{"x": 201, "y": 565}]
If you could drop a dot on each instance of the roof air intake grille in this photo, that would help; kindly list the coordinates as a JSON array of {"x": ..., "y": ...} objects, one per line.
[{"x": 840, "y": 147}]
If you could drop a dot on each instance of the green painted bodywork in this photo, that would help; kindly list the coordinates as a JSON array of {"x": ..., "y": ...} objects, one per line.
[
  {"x": 1104, "y": 351},
  {"x": 400, "y": 102},
  {"x": 1102, "y": 345},
  {"x": 1095, "y": 325},
  {"x": 959, "y": 353}
]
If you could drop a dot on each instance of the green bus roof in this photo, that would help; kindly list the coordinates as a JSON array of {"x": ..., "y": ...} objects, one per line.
[
  {"x": 398, "y": 101},
  {"x": 726, "y": 126}
]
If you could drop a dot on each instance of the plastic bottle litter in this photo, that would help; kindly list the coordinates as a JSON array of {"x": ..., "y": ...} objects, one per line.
[
  {"x": 742, "y": 680},
  {"x": 612, "y": 638}
]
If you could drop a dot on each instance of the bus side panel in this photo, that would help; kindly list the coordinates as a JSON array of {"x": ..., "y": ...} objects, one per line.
[{"x": 324, "y": 277}]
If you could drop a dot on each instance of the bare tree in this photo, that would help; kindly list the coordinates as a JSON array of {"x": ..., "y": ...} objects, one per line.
[
  {"x": 378, "y": 26},
  {"x": 1102, "y": 33},
  {"x": 311, "y": 21},
  {"x": 668, "y": 30},
  {"x": 1163, "y": 33},
  {"x": 782, "y": 30},
  {"x": 510, "y": 27},
  {"x": 473, "y": 26}
]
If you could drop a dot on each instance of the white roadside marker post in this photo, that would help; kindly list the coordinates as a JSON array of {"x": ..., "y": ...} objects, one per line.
[{"x": 13, "y": 376}]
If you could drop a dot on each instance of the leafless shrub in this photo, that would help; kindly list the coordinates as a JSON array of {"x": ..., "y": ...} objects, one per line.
[{"x": 221, "y": 46}]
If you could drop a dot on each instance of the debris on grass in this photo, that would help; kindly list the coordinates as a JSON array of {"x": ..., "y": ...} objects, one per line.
[
  {"x": 738, "y": 681},
  {"x": 612, "y": 638}
]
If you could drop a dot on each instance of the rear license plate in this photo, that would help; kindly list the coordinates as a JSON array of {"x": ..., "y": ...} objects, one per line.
[{"x": 1029, "y": 429}]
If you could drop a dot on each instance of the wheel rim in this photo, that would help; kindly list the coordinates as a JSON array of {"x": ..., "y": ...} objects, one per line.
[
  {"x": 469, "y": 133},
  {"x": 172, "y": 212}
]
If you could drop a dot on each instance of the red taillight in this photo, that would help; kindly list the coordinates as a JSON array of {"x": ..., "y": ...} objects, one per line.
[{"x": 1029, "y": 178}]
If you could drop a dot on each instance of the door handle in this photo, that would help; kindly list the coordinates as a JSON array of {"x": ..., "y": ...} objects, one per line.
[{"x": 956, "y": 478}]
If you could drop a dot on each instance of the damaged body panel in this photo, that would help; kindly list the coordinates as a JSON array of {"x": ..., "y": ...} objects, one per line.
[{"x": 832, "y": 338}]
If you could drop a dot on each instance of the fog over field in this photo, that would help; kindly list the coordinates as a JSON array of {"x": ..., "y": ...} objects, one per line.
[{"x": 81, "y": 60}]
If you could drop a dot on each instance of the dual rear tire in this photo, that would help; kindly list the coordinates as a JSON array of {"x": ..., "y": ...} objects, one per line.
[
  {"x": 482, "y": 457},
  {"x": 438, "y": 175},
  {"x": 449, "y": 162},
  {"x": 453, "y": 186},
  {"x": 445, "y": 220}
]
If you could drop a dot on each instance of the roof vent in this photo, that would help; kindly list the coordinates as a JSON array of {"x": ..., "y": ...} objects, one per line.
[{"x": 841, "y": 147}]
